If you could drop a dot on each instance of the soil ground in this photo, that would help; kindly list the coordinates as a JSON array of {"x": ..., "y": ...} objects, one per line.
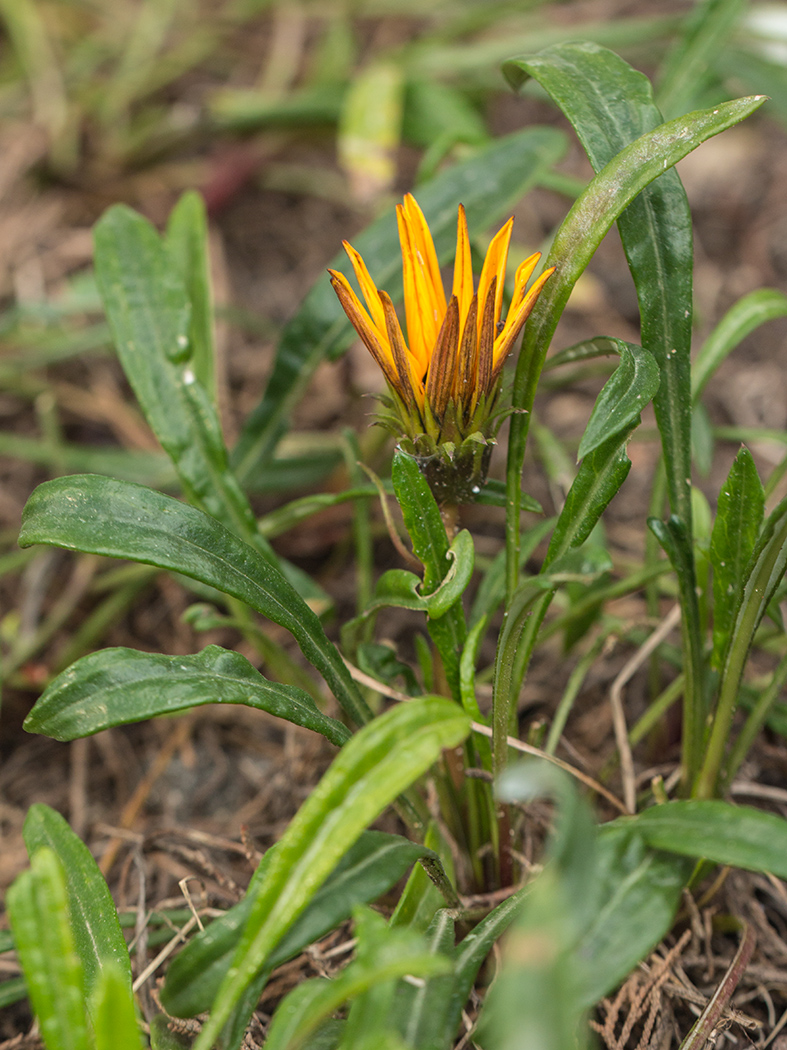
[{"x": 199, "y": 797}]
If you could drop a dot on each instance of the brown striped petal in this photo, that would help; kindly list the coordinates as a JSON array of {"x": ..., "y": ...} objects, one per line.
[{"x": 439, "y": 379}]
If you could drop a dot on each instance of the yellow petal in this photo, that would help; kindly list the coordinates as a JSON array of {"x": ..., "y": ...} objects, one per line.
[
  {"x": 495, "y": 266},
  {"x": 463, "y": 267},
  {"x": 367, "y": 285}
]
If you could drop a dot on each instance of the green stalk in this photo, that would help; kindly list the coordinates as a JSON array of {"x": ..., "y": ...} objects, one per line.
[
  {"x": 755, "y": 722},
  {"x": 588, "y": 221},
  {"x": 768, "y": 566}
]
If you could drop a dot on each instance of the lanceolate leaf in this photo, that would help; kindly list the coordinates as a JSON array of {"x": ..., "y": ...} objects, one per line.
[
  {"x": 766, "y": 568},
  {"x": 599, "y": 477},
  {"x": 101, "y": 516},
  {"x": 39, "y": 914},
  {"x": 488, "y": 185},
  {"x": 153, "y": 319},
  {"x": 618, "y": 406},
  {"x": 114, "y": 1017},
  {"x": 368, "y": 869},
  {"x": 738, "y": 519},
  {"x": 419, "y": 1012},
  {"x": 383, "y": 954},
  {"x": 754, "y": 309},
  {"x": 95, "y": 925},
  {"x": 740, "y": 836},
  {"x": 666, "y": 326},
  {"x": 375, "y": 766},
  {"x": 610, "y": 105},
  {"x": 398, "y": 587},
  {"x": 640, "y": 893},
  {"x": 117, "y": 686},
  {"x": 430, "y": 544},
  {"x": 149, "y": 312},
  {"x": 187, "y": 243}
]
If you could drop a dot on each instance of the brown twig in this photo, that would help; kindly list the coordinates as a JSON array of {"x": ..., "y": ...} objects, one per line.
[{"x": 705, "y": 1025}]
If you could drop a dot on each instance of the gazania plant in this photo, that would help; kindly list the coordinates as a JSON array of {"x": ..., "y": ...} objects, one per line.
[
  {"x": 578, "y": 893},
  {"x": 444, "y": 381}
]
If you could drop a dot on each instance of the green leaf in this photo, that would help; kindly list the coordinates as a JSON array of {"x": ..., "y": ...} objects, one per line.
[
  {"x": 611, "y": 108},
  {"x": 598, "y": 479},
  {"x": 187, "y": 245},
  {"x": 370, "y": 127},
  {"x": 422, "y": 518},
  {"x": 748, "y": 313},
  {"x": 149, "y": 313},
  {"x": 631, "y": 386},
  {"x": 95, "y": 926},
  {"x": 739, "y": 836},
  {"x": 470, "y": 954},
  {"x": 382, "y": 955},
  {"x": 282, "y": 519},
  {"x": 675, "y": 541},
  {"x": 435, "y": 112},
  {"x": 12, "y": 991},
  {"x": 640, "y": 891},
  {"x": 151, "y": 318},
  {"x": 612, "y": 111},
  {"x": 39, "y": 914},
  {"x": 102, "y": 516},
  {"x": 368, "y": 869},
  {"x": 685, "y": 73},
  {"x": 420, "y": 1012},
  {"x": 738, "y": 520},
  {"x": 400, "y": 588},
  {"x": 764, "y": 573},
  {"x": 114, "y": 1017},
  {"x": 118, "y": 686},
  {"x": 620, "y": 896},
  {"x": 430, "y": 545},
  {"x": 420, "y": 899},
  {"x": 488, "y": 185},
  {"x": 376, "y": 765}
]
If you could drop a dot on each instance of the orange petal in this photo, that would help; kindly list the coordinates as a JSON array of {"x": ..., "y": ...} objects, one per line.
[
  {"x": 367, "y": 285},
  {"x": 361, "y": 322},
  {"x": 422, "y": 325},
  {"x": 463, "y": 267},
  {"x": 495, "y": 266},
  {"x": 424, "y": 245},
  {"x": 513, "y": 326},
  {"x": 523, "y": 274}
]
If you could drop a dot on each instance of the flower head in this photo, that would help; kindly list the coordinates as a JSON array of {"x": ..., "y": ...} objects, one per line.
[{"x": 444, "y": 380}]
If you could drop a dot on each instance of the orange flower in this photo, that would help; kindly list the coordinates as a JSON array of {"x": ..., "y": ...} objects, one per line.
[{"x": 445, "y": 378}]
